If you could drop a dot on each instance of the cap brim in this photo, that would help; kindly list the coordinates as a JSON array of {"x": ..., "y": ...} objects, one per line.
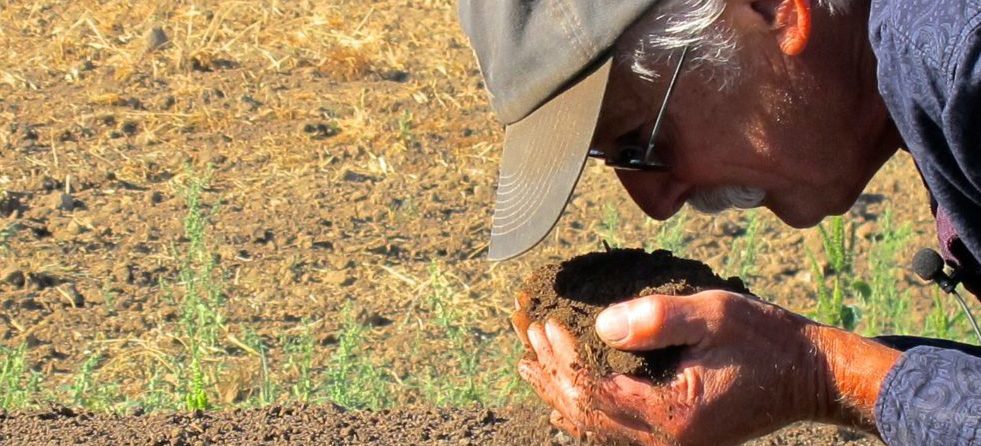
[{"x": 544, "y": 154}]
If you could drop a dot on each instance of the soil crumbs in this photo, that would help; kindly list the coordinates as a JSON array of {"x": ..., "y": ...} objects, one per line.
[
  {"x": 331, "y": 425},
  {"x": 322, "y": 425},
  {"x": 575, "y": 291}
]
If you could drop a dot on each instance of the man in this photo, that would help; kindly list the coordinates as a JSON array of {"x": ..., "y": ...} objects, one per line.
[{"x": 788, "y": 104}]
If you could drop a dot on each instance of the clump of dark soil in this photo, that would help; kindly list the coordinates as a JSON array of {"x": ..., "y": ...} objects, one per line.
[{"x": 575, "y": 291}]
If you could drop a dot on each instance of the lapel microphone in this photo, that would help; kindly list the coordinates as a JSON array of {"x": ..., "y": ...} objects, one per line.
[{"x": 930, "y": 267}]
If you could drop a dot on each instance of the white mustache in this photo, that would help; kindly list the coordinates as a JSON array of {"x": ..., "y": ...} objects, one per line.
[{"x": 713, "y": 201}]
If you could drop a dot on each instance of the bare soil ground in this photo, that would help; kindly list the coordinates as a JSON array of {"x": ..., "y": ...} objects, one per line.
[
  {"x": 351, "y": 159},
  {"x": 334, "y": 426}
]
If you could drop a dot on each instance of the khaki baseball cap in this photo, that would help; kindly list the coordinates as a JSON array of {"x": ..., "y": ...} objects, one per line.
[{"x": 546, "y": 64}]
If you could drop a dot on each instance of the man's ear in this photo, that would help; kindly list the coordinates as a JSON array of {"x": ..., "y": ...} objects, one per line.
[
  {"x": 793, "y": 22},
  {"x": 790, "y": 19}
]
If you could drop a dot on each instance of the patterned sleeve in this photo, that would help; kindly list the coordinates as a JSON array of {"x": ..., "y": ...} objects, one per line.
[{"x": 931, "y": 396}]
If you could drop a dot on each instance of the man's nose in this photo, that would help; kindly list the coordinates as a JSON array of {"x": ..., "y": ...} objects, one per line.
[{"x": 658, "y": 194}]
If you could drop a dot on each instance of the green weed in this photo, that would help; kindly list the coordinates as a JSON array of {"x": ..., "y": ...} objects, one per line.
[
  {"x": 670, "y": 234},
  {"x": 480, "y": 370},
  {"x": 741, "y": 260},
  {"x": 947, "y": 321},
  {"x": 350, "y": 379},
  {"x": 88, "y": 392},
  {"x": 18, "y": 383},
  {"x": 267, "y": 388},
  {"x": 6, "y": 234},
  {"x": 884, "y": 308},
  {"x": 82, "y": 385},
  {"x": 299, "y": 350},
  {"x": 201, "y": 317},
  {"x": 405, "y": 128},
  {"x": 158, "y": 394},
  {"x": 839, "y": 246},
  {"x": 610, "y": 226}
]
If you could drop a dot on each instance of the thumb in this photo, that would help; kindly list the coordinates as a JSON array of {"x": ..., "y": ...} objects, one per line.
[{"x": 653, "y": 322}]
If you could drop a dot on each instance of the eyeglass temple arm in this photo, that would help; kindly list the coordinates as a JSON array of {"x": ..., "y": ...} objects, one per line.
[{"x": 664, "y": 104}]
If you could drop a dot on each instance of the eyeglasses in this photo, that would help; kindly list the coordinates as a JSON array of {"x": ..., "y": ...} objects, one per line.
[{"x": 634, "y": 157}]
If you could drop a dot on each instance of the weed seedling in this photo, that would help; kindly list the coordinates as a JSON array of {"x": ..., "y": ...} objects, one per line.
[
  {"x": 610, "y": 226},
  {"x": 267, "y": 388},
  {"x": 839, "y": 246},
  {"x": 18, "y": 383},
  {"x": 741, "y": 261},
  {"x": 671, "y": 234},
  {"x": 201, "y": 305},
  {"x": 885, "y": 309},
  {"x": 351, "y": 380},
  {"x": 299, "y": 352}
]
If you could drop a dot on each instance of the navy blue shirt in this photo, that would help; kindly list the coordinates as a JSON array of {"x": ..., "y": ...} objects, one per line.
[{"x": 929, "y": 75}]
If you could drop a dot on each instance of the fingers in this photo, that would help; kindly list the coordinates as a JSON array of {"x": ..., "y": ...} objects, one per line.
[
  {"x": 657, "y": 321},
  {"x": 561, "y": 422},
  {"x": 520, "y": 321},
  {"x": 563, "y": 344}
]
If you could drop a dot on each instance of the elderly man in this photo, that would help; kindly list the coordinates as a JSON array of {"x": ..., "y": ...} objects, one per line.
[{"x": 788, "y": 104}]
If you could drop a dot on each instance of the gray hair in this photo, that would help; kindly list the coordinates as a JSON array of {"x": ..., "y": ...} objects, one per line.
[{"x": 675, "y": 24}]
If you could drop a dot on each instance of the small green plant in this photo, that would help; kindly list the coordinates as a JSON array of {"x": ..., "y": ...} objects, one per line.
[
  {"x": 299, "y": 350},
  {"x": 351, "y": 380},
  {"x": 514, "y": 390},
  {"x": 947, "y": 321},
  {"x": 88, "y": 392},
  {"x": 201, "y": 306},
  {"x": 109, "y": 297},
  {"x": 406, "y": 127},
  {"x": 6, "y": 234},
  {"x": 267, "y": 388},
  {"x": 610, "y": 226},
  {"x": 671, "y": 234},
  {"x": 885, "y": 309},
  {"x": 195, "y": 394},
  {"x": 741, "y": 260},
  {"x": 18, "y": 383},
  {"x": 158, "y": 394},
  {"x": 839, "y": 245},
  {"x": 81, "y": 388}
]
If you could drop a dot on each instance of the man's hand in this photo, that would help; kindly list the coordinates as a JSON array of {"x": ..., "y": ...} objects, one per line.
[{"x": 748, "y": 368}]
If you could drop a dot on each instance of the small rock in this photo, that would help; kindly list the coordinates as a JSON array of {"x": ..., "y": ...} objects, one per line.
[
  {"x": 15, "y": 277},
  {"x": 156, "y": 39}
]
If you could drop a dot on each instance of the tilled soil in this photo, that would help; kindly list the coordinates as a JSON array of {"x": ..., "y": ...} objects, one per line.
[
  {"x": 574, "y": 292},
  {"x": 322, "y": 425},
  {"x": 330, "y": 425}
]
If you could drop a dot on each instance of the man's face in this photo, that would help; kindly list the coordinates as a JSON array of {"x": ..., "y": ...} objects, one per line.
[{"x": 806, "y": 131}]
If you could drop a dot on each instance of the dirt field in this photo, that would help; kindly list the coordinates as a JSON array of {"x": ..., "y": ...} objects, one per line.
[{"x": 237, "y": 204}]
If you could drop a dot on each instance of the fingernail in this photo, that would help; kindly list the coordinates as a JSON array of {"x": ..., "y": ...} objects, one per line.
[{"x": 613, "y": 324}]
